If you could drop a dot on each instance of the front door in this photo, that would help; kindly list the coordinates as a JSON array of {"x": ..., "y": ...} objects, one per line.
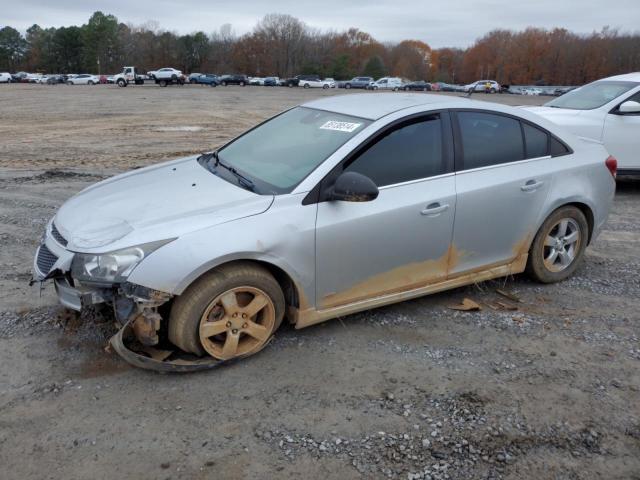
[
  {"x": 621, "y": 137},
  {"x": 400, "y": 240}
]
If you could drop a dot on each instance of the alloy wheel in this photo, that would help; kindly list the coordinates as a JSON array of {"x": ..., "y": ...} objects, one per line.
[
  {"x": 561, "y": 245},
  {"x": 237, "y": 323}
]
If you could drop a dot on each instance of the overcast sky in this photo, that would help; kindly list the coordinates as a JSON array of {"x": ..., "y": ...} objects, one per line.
[{"x": 439, "y": 23}]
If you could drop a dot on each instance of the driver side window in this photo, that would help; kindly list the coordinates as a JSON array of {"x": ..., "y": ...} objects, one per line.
[{"x": 411, "y": 151}]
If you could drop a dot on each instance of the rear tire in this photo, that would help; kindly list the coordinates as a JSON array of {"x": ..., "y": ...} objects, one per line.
[
  {"x": 162, "y": 83},
  {"x": 558, "y": 247},
  {"x": 200, "y": 304}
]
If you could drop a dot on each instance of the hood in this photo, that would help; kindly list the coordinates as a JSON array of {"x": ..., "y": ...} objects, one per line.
[
  {"x": 553, "y": 113},
  {"x": 154, "y": 203}
]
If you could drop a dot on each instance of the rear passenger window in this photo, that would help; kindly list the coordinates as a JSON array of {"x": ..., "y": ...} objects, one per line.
[
  {"x": 536, "y": 141},
  {"x": 558, "y": 148},
  {"x": 489, "y": 139},
  {"x": 409, "y": 152}
]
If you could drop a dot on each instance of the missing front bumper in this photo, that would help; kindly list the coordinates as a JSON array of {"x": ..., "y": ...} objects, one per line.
[{"x": 75, "y": 298}]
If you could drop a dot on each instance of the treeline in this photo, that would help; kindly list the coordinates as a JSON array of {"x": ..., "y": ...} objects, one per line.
[{"x": 283, "y": 45}]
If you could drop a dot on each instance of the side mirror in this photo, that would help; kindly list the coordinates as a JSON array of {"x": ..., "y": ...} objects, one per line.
[
  {"x": 354, "y": 187},
  {"x": 629, "y": 107}
]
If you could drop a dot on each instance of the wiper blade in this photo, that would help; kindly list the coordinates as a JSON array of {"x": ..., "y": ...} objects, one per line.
[{"x": 242, "y": 180}]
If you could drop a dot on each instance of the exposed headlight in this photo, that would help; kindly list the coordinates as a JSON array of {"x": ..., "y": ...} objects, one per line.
[{"x": 111, "y": 267}]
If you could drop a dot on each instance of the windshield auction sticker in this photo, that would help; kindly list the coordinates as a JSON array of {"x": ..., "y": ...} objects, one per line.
[{"x": 340, "y": 126}]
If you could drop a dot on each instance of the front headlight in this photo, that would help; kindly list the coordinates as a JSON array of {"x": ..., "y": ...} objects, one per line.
[{"x": 112, "y": 267}]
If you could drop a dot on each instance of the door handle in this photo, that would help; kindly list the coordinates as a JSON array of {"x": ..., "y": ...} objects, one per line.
[
  {"x": 434, "y": 209},
  {"x": 531, "y": 186}
]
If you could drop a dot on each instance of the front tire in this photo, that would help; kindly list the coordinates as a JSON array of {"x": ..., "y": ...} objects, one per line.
[
  {"x": 558, "y": 247},
  {"x": 162, "y": 83},
  {"x": 232, "y": 311},
  {"x": 122, "y": 83}
]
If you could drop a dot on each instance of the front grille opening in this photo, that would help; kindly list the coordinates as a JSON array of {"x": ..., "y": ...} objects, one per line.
[
  {"x": 45, "y": 259},
  {"x": 58, "y": 236}
]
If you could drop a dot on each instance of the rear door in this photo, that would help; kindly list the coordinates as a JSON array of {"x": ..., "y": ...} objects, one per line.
[
  {"x": 502, "y": 183},
  {"x": 400, "y": 240},
  {"x": 621, "y": 136}
]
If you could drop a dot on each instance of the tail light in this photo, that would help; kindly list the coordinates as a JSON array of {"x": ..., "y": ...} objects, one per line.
[{"x": 612, "y": 165}]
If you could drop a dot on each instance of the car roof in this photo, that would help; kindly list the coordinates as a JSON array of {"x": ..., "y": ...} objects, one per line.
[
  {"x": 376, "y": 105},
  {"x": 627, "y": 77}
]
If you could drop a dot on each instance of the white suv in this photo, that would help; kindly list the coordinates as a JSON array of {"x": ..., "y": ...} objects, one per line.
[
  {"x": 5, "y": 77},
  {"x": 489, "y": 86}
]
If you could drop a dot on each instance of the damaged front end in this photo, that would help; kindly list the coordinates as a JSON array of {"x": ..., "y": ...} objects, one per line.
[{"x": 82, "y": 280}]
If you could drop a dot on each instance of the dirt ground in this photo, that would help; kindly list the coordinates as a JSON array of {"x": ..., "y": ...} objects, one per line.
[{"x": 550, "y": 389}]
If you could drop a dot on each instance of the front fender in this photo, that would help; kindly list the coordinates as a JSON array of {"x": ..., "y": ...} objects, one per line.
[{"x": 283, "y": 236}]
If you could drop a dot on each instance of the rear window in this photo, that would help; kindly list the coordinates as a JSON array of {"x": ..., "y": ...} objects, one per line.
[
  {"x": 558, "y": 148},
  {"x": 489, "y": 139},
  {"x": 536, "y": 141}
]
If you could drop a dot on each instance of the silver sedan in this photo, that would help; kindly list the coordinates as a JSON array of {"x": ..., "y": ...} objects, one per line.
[{"x": 337, "y": 206}]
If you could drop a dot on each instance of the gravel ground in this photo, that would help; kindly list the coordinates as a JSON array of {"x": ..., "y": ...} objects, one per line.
[{"x": 550, "y": 389}]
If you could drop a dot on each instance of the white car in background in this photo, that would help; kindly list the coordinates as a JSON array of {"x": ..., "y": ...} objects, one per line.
[
  {"x": 326, "y": 83},
  {"x": 531, "y": 91},
  {"x": 490, "y": 86},
  {"x": 5, "y": 77},
  {"x": 165, "y": 74},
  {"x": 388, "y": 83},
  {"x": 607, "y": 110},
  {"x": 84, "y": 79}
]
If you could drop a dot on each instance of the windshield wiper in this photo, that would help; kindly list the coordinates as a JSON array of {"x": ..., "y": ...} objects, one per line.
[{"x": 242, "y": 180}]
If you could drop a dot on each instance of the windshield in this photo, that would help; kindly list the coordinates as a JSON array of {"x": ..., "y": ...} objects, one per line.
[
  {"x": 280, "y": 153},
  {"x": 592, "y": 96}
]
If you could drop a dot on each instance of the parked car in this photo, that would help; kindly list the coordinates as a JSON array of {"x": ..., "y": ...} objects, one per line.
[
  {"x": 5, "y": 77},
  {"x": 256, "y": 81},
  {"x": 443, "y": 87},
  {"x": 607, "y": 110},
  {"x": 56, "y": 79},
  {"x": 531, "y": 91},
  {"x": 19, "y": 77},
  {"x": 271, "y": 82},
  {"x": 486, "y": 86},
  {"x": 295, "y": 81},
  {"x": 301, "y": 208},
  {"x": 419, "y": 85},
  {"x": 317, "y": 83},
  {"x": 208, "y": 79},
  {"x": 193, "y": 77},
  {"x": 83, "y": 79},
  {"x": 34, "y": 77},
  {"x": 387, "y": 83},
  {"x": 241, "y": 80},
  {"x": 357, "y": 82}
]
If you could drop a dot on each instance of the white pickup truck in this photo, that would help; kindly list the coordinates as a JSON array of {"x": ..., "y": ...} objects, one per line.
[{"x": 127, "y": 76}]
